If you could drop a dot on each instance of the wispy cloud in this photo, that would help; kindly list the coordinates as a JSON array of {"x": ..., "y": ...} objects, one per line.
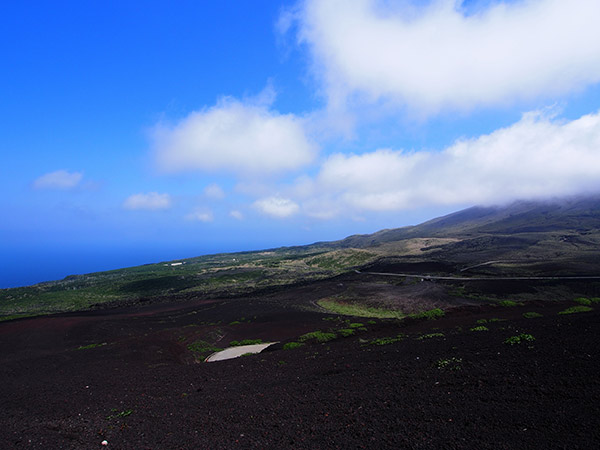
[
  {"x": 535, "y": 158},
  {"x": 60, "y": 179},
  {"x": 276, "y": 206},
  {"x": 201, "y": 215},
  {"x": 242, "y": 137},
  {"x": 151, "y": 201},
  {"x": 238, "y": 215},
  {"x": 431, "y": 56},
  {"x": 214, "y": 192}
]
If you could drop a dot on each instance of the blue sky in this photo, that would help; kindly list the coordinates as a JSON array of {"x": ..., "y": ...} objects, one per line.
[{"x": 135, "y": 132}]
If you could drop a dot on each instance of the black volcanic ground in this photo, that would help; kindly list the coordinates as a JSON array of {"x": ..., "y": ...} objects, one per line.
[{"x": 143, "y": 390}]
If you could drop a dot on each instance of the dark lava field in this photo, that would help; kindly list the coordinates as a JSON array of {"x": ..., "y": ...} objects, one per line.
[
  {"x": 484, "y": 376},
  {"x": 483, "y": 333}
]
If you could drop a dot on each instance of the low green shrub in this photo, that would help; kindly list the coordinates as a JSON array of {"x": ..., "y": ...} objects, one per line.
[
  {"x": 245, "y": 342},
  {"x": 386, "y": 340},
  {"x": 319, "y": 336},
  {"x": 432, "y": 314},
  {"x": 345, "y": 332},
  {"x": 202, "y": 348},
  {"x": 532, "y": 315},
  {"x": 583, "y": 301},
  {"x": 480, "y": 328},
  {"x": 87, "y": 347},
  {"x": 449, "y": 363},
  {"x": 292, "y": 345},
  {"x": 430, "y": 336},
  {"x": 514, "y": 340},
  {"x": 508, "y": 303},
  {"x": 576, "y": 309}
]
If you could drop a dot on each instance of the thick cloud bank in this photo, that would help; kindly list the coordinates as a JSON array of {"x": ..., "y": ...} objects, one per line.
[
  {"x": 436, "y": 57},
  {"x": 234, "y": 137},
  {"x": 536, "y": 158}
]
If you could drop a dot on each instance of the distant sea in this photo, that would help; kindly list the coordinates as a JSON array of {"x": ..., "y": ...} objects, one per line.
[{"x": 26, "y": 266}]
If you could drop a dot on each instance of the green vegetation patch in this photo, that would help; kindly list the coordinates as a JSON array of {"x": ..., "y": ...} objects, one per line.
[
  {"x": 355, "y": 309},
  {"x": 508, "y": 303},
  {"x": 87, "y": 347},
  {"x": 386, "y": 340},
  {"x": 319, "y": 336},
  {"x": 449, "y": 363},
  {"x": 480, "y": 328},
  {"x": 521, "y": 338},
  {"x": 202, "y": 349},
  {"x": 292, "y": 345},
  {"x": 576, "y": 309},
  {"x": 119, "y": 414},
  {"x": 532, "y": 315},
  {"x": 492, "y": 320},
  {"x": 430, "y": 336},
  {"x": 432, "y": 314},
  {"x": 245, "y": 342},
  {"x": 583, "y": 301},
  {"x": 346, "y": 332}
]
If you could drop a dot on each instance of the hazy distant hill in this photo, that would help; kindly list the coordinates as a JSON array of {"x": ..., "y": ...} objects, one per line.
[
  {"x": 580, "y": 215},
  {"x": 553, "y": 238}
]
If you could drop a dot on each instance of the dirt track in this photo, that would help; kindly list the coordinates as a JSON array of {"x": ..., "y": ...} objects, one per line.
[{"x": 138, "y": 388}]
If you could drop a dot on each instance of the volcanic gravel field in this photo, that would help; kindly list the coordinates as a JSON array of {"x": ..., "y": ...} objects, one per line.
[{"x": 127, "y": 377}]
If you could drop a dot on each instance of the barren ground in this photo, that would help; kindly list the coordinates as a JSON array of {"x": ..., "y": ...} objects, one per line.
[{"x": 136, "y": 384}]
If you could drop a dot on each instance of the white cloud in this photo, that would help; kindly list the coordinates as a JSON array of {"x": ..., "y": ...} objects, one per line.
[
  {"x": 150, "y": 201},
  {"x": 61, "y": 179},
  {"x": 277, "y": 206},
  {"x": 535, "y": 158},
  {"x": 214, "y": 192},
  {"x": 432, "y": 56},
  {"x": 236, "y": 214},
  {"x": 234, "y": 136},
  {"x": 201, "y": 215}
]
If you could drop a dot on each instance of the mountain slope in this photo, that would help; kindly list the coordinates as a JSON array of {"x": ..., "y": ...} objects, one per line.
[{"x": 554, "y": 238}]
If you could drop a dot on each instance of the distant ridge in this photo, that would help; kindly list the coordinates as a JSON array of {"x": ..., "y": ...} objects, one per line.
[{"x": 577, "y": 214}]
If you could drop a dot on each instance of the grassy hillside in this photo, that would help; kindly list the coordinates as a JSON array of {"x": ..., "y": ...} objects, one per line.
[
  {"x": 522, "y": 239},
  {"x": 211, "y": 275}
]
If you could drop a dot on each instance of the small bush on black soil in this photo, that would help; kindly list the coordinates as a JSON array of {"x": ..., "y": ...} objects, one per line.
[
  {"x": 576, "y": 309},
  {"x": 372, "y": 322},
  {"x": 356, "y": 325},
  {"x": 202, "y": 348},
  {"x": 120, "y": 414},
  {"x": 430, "y": 336},
  {"x": 435, "y": 313},
  {"x": 245, "y": 342},
  {"x": 492, "y": 320},
  {"x": 386, "y": 340},
  {"x": 480, "y": 328},
  {"x": 292, "y": 345},
  {"x": 514, "y": 340},
  {"x": 508, "y": 303},
  {"x": 87, "y": 347},
  {"x": 532, "y": 315},
  {"x": 235, "y": 322},
  {"x": 320, "y": 336},
  {"x": 583, "y": 301},
  {"x": 347, "y": 331},
  {"x": 449, "y": 363}
]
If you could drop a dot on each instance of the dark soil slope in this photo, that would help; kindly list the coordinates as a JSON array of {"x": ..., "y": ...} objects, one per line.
[{"x": 440, "y": 385}]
